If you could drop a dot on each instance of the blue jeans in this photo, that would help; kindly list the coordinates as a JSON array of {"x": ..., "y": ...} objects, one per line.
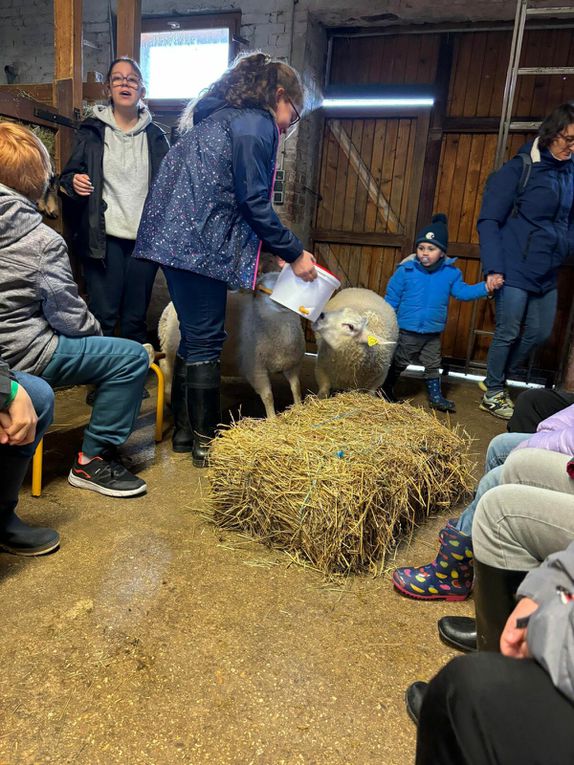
[
  {"x": 200, "y": 303},
  {"x": 118, "y": 368},
  {"x": 498, "y": 450},
  {"x": 43, "y": 400},
  {"x": 119, "y": 289},
  {"x": 515, "y": 307}
]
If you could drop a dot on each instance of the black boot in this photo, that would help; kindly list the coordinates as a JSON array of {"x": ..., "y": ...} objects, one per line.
[
  {"x": 388, "y": 387},
  {"x": 182, "y": 438},
  {"x": 15, "y": 536},
  {"x": 202, "y": 384},
  {"x": 494, "y": 601},
  {"x": 414, "y": 697},
  {"x": 458, "y": 632}
]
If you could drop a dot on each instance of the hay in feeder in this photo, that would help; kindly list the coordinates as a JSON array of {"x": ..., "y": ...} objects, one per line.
[{"x": 335, "y": 482}]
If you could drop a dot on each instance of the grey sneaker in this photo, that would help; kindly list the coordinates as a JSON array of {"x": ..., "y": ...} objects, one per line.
[{"x": 500, "y": 405}]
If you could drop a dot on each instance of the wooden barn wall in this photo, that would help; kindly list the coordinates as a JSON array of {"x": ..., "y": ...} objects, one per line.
[{"x": 381, "y": 178}]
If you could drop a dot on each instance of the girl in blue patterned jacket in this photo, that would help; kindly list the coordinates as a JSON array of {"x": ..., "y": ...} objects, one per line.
[
  {"x": 205, "y": 219},
  {"x": 419, "y": 291}
]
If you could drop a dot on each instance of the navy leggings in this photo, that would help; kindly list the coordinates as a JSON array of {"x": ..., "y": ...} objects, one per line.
[{"x": 200, "y": 303}]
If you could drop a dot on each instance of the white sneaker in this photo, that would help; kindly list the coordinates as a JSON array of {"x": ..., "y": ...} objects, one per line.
[{"x": 500, "y": 405}]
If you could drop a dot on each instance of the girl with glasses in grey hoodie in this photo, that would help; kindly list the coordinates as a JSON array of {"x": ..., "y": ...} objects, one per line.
[{"x": 117, "y": 154}]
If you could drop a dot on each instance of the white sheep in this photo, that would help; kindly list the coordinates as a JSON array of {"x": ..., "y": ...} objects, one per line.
[
  {"x": 270, "y": 340},
  {"x": 356, "y": 337}
]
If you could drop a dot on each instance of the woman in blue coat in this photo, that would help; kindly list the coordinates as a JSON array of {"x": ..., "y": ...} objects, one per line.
[
  {"x": 206, "y": 218},
  {"x": 526, "y": 231}
]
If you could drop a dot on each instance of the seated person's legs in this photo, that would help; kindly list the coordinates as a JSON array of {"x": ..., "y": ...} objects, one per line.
[
  {"x": 118, "y": 369},
  {"x": 534, "y": 405},
  {"x": 489, "y": 708},
  {"x": 450, "y": 575},
  {"x": 516, "y": 526},
  {"x": 529, "y": 516},
  {"x": 16, "y": 536}
]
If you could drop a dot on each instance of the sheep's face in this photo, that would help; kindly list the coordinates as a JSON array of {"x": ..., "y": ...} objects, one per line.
[{"x": 337, "y": 328}]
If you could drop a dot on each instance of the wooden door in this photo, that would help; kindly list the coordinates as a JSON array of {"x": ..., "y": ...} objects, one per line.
[{"x": 371, "y": 171}]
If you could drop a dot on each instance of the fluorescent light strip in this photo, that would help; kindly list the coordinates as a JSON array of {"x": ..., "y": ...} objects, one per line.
[{"x": 346, "y": 103}]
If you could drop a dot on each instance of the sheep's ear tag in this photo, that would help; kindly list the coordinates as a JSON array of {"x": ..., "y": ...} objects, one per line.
[{"x": 372, "y": 340}]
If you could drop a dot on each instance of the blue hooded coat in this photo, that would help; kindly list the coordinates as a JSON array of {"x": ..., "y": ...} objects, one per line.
[
  {"x": 420, "y": 296},
  {"x": 209, "y": 208},
  {"x": 527, "y": 236}
]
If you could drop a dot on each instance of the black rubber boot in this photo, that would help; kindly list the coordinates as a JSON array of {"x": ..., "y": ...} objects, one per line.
[
  {"x": 202, "y": 387},
  {"x": 388, "y": 387},
  {"x": 494, "y": 601},
  {"x": 16, "y": 536},
  {"x": 182, "y": 438}
]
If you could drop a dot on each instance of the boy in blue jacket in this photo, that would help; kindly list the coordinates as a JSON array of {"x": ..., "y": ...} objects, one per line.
[{"x": 419, "y": 291}]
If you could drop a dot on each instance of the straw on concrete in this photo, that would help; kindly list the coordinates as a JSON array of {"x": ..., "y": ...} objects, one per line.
[{"x": 336, "y": 482}]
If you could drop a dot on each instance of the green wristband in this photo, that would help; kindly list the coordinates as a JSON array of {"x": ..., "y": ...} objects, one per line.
[{"x": 12, "y": 395}]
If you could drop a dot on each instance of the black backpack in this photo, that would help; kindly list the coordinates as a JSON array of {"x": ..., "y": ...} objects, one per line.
[{"x": 522, "y": 182}]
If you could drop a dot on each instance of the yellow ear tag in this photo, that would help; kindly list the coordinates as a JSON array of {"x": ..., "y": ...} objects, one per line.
[{"x": 372, "y": 340}]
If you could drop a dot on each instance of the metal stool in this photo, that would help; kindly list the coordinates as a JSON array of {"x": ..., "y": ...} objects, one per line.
[{"x": 37, "y": 460}]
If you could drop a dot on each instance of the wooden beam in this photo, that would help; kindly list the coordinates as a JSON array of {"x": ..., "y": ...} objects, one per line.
[
  {"x": 478, "y": 124},
  {"x": 63, "y": 99},
  {"x": 31, "y": 90},
  {"x": 373, "y": 239},
  {"x": 68, "y": 47},
  {"x": 24, "y": 108},
  {"x": 129, "y": 28},
  {"x": 434, "y": 142}
]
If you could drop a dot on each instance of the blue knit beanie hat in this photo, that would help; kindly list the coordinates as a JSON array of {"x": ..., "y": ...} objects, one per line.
[{"x": 436, "y": 233}]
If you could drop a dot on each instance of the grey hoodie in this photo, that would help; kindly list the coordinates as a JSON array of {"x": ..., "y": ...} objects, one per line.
[
  {"x": 126, "y": 172},
  {"x": 38, "y": 296}
]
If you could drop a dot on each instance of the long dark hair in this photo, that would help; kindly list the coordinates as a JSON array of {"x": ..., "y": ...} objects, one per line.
[{"x": 555, "y": 123}]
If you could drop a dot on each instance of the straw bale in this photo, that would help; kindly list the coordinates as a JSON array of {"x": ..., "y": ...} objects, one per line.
[{"x": 336, "y": 482}]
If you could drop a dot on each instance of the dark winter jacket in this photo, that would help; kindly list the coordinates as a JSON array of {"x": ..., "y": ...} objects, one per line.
[
  {"x": 527, "y": 242},
  {"x": 38, "y": 295},
  {"x": 210, "y": 204},
  {"x": 86, "y": 214},
  {"x": 420, "y": 296}
]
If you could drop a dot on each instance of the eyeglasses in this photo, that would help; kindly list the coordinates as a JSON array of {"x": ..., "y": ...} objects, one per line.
[
  {"x": 568, "y": 139},
  {"x": 131, "y": 81},
  {"x": 297, "y": 117}
]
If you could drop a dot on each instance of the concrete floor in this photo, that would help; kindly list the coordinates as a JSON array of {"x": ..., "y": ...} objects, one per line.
[{"x": 152, "y": 637}]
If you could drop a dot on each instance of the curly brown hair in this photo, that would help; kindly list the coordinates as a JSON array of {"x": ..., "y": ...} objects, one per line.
[{"x": 252, "y": 81}]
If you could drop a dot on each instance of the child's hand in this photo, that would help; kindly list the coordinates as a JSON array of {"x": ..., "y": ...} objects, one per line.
[
  {"x": 82, "y": 184},
  {"x": 304, "y": 266},
  {"x": 494, "y": 282}
]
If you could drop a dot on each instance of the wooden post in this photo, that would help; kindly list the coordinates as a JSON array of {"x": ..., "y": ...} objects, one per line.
[
  {"x": 433, "y": 149},
  {"x": 68, "y": 46},
  {"x": 129, "y": 28}
]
